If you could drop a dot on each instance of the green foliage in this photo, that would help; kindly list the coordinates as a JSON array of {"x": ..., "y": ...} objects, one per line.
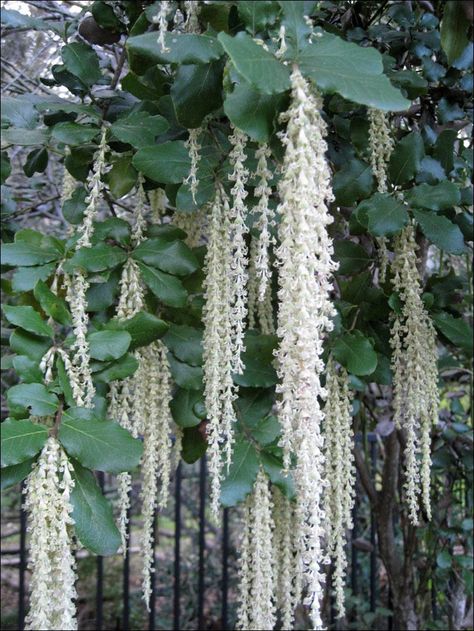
[
  {"x": 21, "y": 440},
  {"x": 98, "y": 444}
]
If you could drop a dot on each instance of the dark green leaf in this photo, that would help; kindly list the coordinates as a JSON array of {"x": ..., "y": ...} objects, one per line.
[
  {"x": 266, "y": 430},
  {"x": 356, "y": 353},
  {"x": 74, "y": 207},
  {"x": 27, "y": 318},
  {"x": 167, "y": 288},
  {"x": 258, "y": 15},
  {"x": 108, "y": 345},
  {"x": 454, "y": 27},
  {"x": 64, "y": 382},
  {"x": 356, "y": 73},
  {"x": 31, "y": 248},
  {"x": 52, "y": 305},
  {"x": 34, "y": 397},
  {"x": 185, "y": 342},
  {"x": 441, "y": 231},
  {"x": 168, "y": 163},
  {"x": 27, "y": 369},
  {"x": 112, "y": 228},
  {"x": 99, "y": 444},
  {"x": 119, "y": 369},
  {"x": 194, "y": 444},
  {"x": 382, "y": 214},
  {"x": 98, "y": 258},
  {"x": 173, "y": 257},
  {"x": 242, "y": 473},
  {"x": 406, "y": 158},
  {"x": 14, "y": 474},
  {"x": 186, "y": 376},
  {"x": 81, "y": 61},
  {"x": 351, "y": 256},
  {"x": 94, "y": 522},
  {"x": 455, "y": 329},
  {"x": 258, "y": 357},
  {"x": 254, "y": 404},
  {"x": 25, "y": 343},
  {"x": 436, "y": 197},
  {"x": 353, "y": 182},
  {"x": 25, "y": 278},
  {"x": 74, "y": 133},
  {"x": 25, "y": 137},
  {"x": 253, "y": 112},
  {"x": 258, "y": 66},
  {"x": 139, "y": 128},
  {"x": 36, "y": 162},
  {"x": 183, "y": 48},
  {"x": 182, "y": 407},
  {"x": 196, "y": 92},
  {"x": 144, "y": 328},
  {"x": 122, "y": 177},
  {"x": 21, "y": 440}
]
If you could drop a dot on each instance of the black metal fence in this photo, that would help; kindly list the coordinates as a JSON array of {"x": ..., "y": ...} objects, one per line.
[{"x": 363, "y": 542}]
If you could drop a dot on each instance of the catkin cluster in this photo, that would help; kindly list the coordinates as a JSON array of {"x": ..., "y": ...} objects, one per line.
[
  {"x": 415, "y": 373},
  {"x": 217, "y": 344},
  {"x": 53, "y": 575},
  {"x": 257, "y": 605},
  {"x": 339, "y": 474},
  {"x": 381, "y": 145},
  {"x": 304, "y": 316}
]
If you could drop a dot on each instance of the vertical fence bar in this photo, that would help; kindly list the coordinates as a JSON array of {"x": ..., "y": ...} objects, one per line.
[
  {"x": 373, "y": 554},
  {"x": 202, "y": 540},
  {"x": 99, "y": 592},
  {"x": 225, "y": 566},
  {"x": 151, "y": 615},
  {"x": 177, "y": 551},
  {"x": 22, "y": 566},
  {"x": 126, "y": 578}
]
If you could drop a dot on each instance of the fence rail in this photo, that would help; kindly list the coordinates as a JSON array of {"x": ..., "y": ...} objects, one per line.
[{"x": 224, "y": 531}]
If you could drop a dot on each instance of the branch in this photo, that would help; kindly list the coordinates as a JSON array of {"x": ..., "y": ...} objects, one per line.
[{"x": 365, "y": 476}]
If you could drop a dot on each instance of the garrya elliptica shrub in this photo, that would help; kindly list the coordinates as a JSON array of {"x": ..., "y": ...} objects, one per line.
[{"x": 256, "y": 204}]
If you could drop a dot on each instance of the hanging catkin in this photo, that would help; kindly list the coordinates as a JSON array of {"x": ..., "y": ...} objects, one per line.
[
  {"x": 256, "y": 585},
  {"x": 194, "y": 147},
  {"x": 380, "y": 149},
  {"x": 339, "y": 474},
  {"x": 53, "y": 575},
  {"x": 125, "y": 405},
  {"x": 217, "y": 344},
  {"x": 265, "y": 219},
  {"x": 286, "y": 570},
  {"x": 161, "y": 18},
  {"x": 239, "y": 229},
  {"x": 157, "y": 448},
  {"x": 415, "y": 372},
  {"x": 304, "y": 316}
]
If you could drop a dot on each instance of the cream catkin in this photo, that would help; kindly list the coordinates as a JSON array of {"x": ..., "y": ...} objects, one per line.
[
  {"x": 125, "y": 406},
  {"x": 192, "y": 9},
  {"x": 415, "y": 372},
  {"x": 257, "y": 600},
  {"x": 286, "y": 569},
  {"x": 305, "y": 310},
  {"x": 68, "y": 186},
  {"x": 48, "y": 490},
  {"x": 95, "y": 187},
  {"x": 161, "y": 19},
  {"x": 265, "y": 220},
  {"x": 158, "y": 202},
  {"x": 339, "y": 474},
  {"x": 194, "y": 147},
  {"x": 157, "y": 449},
  {"x": 219, "y": 391},
  {"x": 380, "y": 149},
  {"x": 193, "y": 224},
  {"x": 239, "y": 264}
]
